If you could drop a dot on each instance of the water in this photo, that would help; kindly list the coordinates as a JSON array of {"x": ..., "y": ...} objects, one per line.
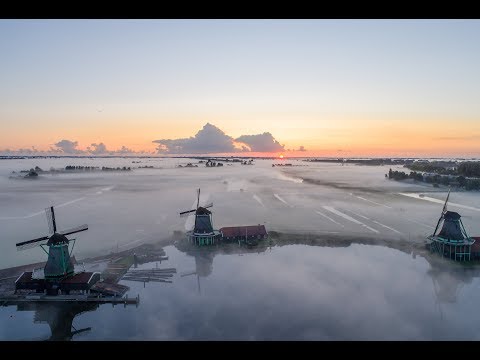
[{"x": 292, "y": 292}]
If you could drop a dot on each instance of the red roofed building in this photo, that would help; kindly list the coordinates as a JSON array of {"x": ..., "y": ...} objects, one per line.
[{"x": 252, "y": 232}]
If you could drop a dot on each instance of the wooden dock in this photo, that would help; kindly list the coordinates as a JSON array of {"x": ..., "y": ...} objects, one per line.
[{"x": 80, "y": 298}]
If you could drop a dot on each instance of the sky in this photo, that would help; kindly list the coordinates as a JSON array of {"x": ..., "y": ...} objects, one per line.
[{"x": 303, "y": 87}]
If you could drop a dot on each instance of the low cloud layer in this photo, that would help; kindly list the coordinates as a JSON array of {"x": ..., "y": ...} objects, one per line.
[
  {"x": 210, "y": 139},
  {"x": 69, "y": 147}
]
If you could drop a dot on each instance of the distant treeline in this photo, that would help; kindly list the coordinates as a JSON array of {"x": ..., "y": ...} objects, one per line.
[
  {"x": 469, "y": 168},
  {"x": 211, "y": 159},
  {"x": 465, "y": 168},
  {"x": 384, "y": 161},
  {"x": 92, "y": 168},
  {"x": 436, "y": 179}
]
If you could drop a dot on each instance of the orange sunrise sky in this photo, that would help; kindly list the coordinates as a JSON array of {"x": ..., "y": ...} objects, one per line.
[{"x": 346, "y": 88}]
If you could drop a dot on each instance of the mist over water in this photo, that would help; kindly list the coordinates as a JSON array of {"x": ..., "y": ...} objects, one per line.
[{"x": 298, "y": 291}]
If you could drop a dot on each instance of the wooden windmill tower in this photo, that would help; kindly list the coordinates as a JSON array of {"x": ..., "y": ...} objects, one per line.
[
  {"x": 203, "y": 232},
  {"x": 59, "y": 264},
  {"x": 59, "y": 272},
  {"x": 452, "y": 241}
]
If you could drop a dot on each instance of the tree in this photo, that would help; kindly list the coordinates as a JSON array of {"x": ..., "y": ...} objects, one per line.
[{"x": 461, "y": 180}]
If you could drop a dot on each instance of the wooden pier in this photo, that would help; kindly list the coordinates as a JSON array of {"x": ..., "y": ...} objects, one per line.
[{"x": 80, "y": 298}]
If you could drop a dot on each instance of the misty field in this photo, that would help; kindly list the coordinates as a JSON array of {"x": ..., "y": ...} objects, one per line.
[{"x": 376, "y": 288}]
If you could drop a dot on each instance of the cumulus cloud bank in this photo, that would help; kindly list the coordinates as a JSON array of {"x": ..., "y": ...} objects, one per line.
[
  {"x": 210, "y": 139},
  {"x": 261, "y": 142},
  {"x": 99, "y": 149},
  {"x": 68, "y": 147}
]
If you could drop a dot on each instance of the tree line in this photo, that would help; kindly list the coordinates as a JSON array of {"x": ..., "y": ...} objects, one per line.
[{"x": 437, "y": 179}]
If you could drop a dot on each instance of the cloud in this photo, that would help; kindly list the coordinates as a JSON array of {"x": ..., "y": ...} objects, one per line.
[
  {"x": 261, "y": 142},
  {"x": 26, "y": 151},
  {"x": 302, "y": 148},
  {"x": 125, "y": 150},
  {"x": 98, "y": 149},
  {"x": 209, "y": 139},
  {"x": 68, "y": 147}
]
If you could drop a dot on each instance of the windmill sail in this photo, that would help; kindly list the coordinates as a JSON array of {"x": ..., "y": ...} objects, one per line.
[
  {"x": 74, "y": 230},
  {"x": 52, "y": 226},
  {"x": 32, "y": 243},
  {"x": 188, "y": 212},
  {"x": 445, "y": 205},
  {"x": 444, "y": 211},
  {"x": 197, "y": 208}
]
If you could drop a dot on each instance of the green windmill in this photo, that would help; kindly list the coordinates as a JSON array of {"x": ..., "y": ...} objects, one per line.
[
  {"x": 59, "y": 264},
  {"x": 203, "y": 232}
]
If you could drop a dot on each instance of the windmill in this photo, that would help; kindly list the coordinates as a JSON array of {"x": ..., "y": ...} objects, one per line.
[
  {"x": 59, "y": 317},
  {"x": 59, "y": 263},
  {"x": 193, "y": 273},
  {"x": 203, "y": 232},
  {"x": 203, "y": 266},
  {"x": 452, "y": 240}
]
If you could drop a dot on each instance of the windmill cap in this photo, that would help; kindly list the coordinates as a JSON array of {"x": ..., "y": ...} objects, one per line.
[
  {"x": 203, "y": 211},
  {"x": 451, "y": 215},
  {"x": 57, "y": 239}
]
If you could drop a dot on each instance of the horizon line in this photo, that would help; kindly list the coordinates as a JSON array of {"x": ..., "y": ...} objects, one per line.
[{"x": 233, "y": 157}]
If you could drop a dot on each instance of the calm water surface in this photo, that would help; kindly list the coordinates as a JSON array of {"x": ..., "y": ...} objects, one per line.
[{"x": 293, "y": 292}]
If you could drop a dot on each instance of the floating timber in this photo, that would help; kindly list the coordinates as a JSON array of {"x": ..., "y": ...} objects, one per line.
[{"x": 147, "y": 275}]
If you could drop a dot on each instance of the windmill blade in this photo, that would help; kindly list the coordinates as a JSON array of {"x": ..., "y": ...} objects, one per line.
[
  {"x": 208, "y": 206},
  {"x": 80, "y": 331},
  {"x": 445, "y": 205},
  {"x": 186, "y": 213},
  {"x": 198, "y": 197},
  {"x": 438, "y": 223},
  {"x": 52, "y": 227},
  {"x": 188, "y": 273},
  {"x": 31, "y": 243},
  {"x": 444, "y": 210},
  {"x": 74, "y": 230}
]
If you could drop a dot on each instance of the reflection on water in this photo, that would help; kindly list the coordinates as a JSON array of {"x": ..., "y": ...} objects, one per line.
[
  {"x": 203, "y": 265},
  {"x": 59, "y": 317},
  {"x": 290, "y": 292}
]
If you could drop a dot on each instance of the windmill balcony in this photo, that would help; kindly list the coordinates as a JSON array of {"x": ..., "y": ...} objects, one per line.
[{"x": 202, "y": 239}]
